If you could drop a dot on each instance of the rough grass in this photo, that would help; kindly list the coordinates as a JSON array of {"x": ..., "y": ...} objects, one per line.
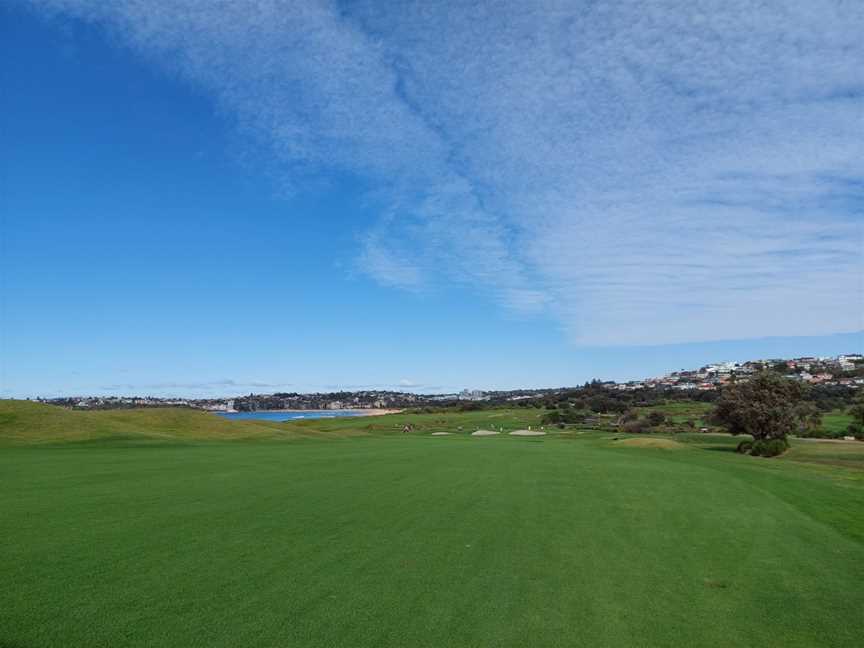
[
  {"x": 679, "y": 412},
  {"x": 836, "y": 423},
  {"x": 650, "y": 442},
  {"x": 846, "y": 454},
  {"x": 25, "y": 423},
  {"x": 506, "y": 420},
  {"x": 384, "y": 539}
]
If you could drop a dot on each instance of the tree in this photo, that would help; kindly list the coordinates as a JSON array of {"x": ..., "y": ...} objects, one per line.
[
  {"x": 764, "y": 407},
  {"x": 629, "y": 415},
  {"x": 781, "y": 368},
  {"x": 856, "y": 427},
  {"x": 656, "y": 418},
  {"x": 563, "y": 415},
  {"x": 809, "y": 420},
  {"x": 635, "y": 426},
  {"x": 552, "y": 417}
]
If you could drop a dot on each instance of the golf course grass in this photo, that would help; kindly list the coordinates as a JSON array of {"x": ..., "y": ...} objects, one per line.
[{"x": 316, "y": 536}]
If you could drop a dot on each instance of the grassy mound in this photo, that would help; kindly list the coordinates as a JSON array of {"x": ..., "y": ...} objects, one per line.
[
  {"x": 27, "y": 423},
  {"x": 24, "y": 423}
]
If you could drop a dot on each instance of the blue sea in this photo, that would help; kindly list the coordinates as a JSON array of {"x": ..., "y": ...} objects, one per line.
[{"x": 290, "y": 416}]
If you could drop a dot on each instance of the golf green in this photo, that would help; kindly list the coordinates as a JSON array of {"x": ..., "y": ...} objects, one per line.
[{"x": 425, "y": 541}]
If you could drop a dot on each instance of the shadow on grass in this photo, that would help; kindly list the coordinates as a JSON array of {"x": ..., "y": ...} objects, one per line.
[{"x": 117, "y": 441}]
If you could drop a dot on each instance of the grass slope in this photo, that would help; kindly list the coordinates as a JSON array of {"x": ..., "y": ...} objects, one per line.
[
  {"x": 414, "y": 540},
  {"x": 25, "y": 423}
]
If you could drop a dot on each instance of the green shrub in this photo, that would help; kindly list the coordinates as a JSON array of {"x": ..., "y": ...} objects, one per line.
[
  {"x": 565, "y": 415},
  {"x": 552, "y": 418},
  {"x": 629, "y": 415},
  {"x": 744, "y": 447},
  {"x": 635, "y": 427},
  {"x": 769, "y": 447},
  {"x": 656, "y": 418}
]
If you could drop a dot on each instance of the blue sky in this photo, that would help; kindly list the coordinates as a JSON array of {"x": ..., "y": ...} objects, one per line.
[{"x": 214, "y": 198}]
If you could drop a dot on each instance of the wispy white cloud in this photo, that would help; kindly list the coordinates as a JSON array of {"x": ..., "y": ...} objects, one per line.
[
  {"x": 403, "y": 385},
  {"x": 644, "y": 172},
  {"x": 199, "y": 387}
]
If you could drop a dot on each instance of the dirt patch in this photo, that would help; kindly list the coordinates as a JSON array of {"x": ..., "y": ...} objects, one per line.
[{"x": 664, "y": 444}]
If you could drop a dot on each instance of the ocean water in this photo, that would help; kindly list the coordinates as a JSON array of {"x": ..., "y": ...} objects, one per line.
[{"x": 290, "y": 416}]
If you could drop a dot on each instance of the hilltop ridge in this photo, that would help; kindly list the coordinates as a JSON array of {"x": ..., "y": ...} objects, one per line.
[{"x": 25, "y": 423}]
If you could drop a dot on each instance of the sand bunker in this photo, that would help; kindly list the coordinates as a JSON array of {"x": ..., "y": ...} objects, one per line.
[
  {"x": 440, "y": 433},
  {"x": 666, "y": 444},
  {"x": 527, "y": 433},
  {"x": 484, "y": 433}
]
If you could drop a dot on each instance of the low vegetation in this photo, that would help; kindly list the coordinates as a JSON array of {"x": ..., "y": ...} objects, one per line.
[{"x": 23, "y": 422}]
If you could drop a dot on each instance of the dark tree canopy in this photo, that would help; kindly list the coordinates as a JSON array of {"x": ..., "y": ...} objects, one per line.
[
  {"x": 656, "y": 418},
  {"x": 856, "y": 427},
  {"x": 765, "y": 407}
]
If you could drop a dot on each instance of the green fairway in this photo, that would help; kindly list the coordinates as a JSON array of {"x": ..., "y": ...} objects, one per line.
[{"x": 414, "y": 540}]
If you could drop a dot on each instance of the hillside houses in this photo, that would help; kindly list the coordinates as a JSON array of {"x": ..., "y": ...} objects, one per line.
[{"x": 845, "y": 371}]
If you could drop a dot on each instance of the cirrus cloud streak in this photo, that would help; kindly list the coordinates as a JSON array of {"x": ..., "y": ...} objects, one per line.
[{"x": 645, "y": 173}]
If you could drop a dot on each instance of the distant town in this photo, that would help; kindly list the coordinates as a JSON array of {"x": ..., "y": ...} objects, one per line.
[{"x": 839, "y": 371}]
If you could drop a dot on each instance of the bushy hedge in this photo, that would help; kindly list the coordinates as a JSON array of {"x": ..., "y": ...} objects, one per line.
[
  {"x": 769, "y": 447},
  {"x": 656, "y": 418},
  {"x": 637, "y": 426},
  {"x": 763, "y": 447},
  {"x": 563, "y": 415}
]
